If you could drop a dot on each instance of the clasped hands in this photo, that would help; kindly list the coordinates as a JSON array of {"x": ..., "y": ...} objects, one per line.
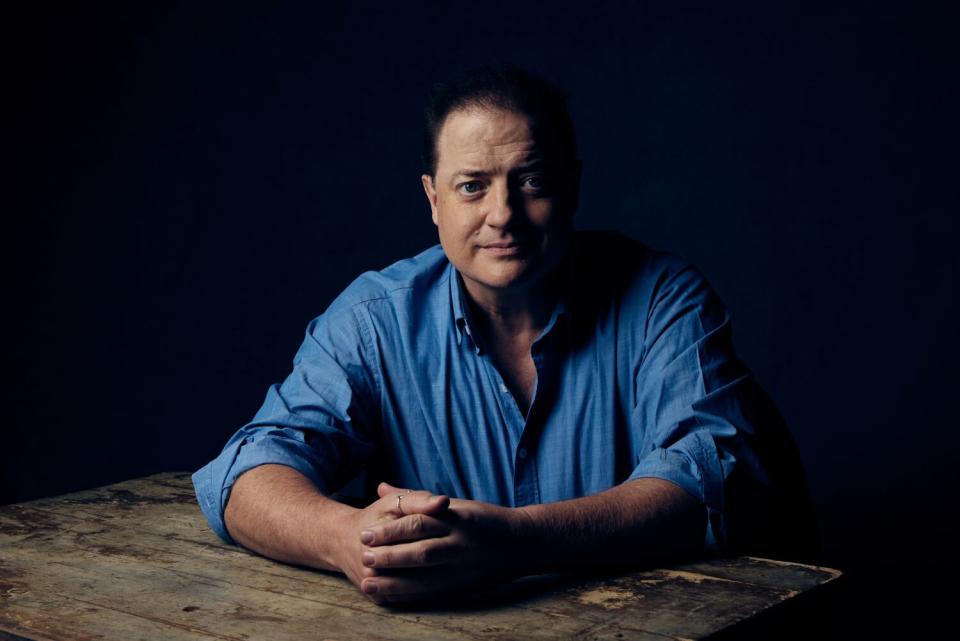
[{"x": 427, "y": 545}]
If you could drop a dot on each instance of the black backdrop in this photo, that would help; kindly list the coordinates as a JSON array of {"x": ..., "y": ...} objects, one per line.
[{"x": 189, "y": 185}]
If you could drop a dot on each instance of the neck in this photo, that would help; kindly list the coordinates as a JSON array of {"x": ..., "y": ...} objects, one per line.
[{"x": 513, "y": 312}]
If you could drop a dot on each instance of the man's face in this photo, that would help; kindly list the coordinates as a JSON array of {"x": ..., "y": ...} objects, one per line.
[{"x": 502, "y": 205}]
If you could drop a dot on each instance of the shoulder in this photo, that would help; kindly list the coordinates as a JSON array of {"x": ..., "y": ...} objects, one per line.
[
  {"x": 622, "y": 269},
  {"x": 641, "y": 291},
  {"x": 415, "y": 278},
  {"x": 376, "y": 299}
]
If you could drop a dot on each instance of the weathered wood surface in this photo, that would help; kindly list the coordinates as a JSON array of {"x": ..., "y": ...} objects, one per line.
[{"x": 136, "y": 560}]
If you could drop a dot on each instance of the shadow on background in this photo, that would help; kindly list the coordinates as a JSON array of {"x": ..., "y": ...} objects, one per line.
[{"x": 190, "y": 185}]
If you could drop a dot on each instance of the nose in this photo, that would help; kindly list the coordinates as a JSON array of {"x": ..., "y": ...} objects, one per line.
[{"x": 504, "y": 206}]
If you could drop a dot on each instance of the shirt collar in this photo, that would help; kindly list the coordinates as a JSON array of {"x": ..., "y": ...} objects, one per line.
[
  {"x": 461, "y": 312},
  {"x": 459, "y": 307}
]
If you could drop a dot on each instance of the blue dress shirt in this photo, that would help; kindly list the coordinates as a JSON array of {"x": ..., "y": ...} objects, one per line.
[{"x": 636, "y": 377}]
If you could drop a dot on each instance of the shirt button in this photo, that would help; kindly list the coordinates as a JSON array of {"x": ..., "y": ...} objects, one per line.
[
  {"x": 522, "y": 453},
  {"x": 503, "y": 388}
]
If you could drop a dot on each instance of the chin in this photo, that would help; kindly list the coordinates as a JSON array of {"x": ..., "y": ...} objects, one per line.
[{"x": 507, "y": 279}]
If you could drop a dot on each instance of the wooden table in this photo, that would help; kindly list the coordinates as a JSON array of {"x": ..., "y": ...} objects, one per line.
[{"x": 136, "y": 560}]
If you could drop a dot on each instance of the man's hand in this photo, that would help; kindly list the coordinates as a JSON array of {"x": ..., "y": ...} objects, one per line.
[
  {"x": 427, "y": 553},
  {"x": 433, "y": 545},
  {"x": 401, "y": 516},
  {"x": 276, "y": 511}
]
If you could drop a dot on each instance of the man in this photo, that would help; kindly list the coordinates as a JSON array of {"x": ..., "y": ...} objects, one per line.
[{"x": 534, "y": 399}]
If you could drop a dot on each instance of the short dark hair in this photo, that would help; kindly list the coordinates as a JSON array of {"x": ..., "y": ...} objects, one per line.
[{"x": 504, "y": 87}]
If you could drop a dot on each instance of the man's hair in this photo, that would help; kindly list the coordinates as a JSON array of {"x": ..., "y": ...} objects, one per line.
[{"x": 501, "y": 87}]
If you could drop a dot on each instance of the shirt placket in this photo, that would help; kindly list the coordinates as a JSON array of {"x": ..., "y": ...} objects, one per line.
[{"x": 526, "y": 489}]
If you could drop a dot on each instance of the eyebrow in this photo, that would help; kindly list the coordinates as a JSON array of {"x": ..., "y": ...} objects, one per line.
[
  {"x": 471, "y": 173},
  {"x": 480, "y": 173}
]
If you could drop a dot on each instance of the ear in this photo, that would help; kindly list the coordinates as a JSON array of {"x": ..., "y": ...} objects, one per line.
[{"x": 431, "y": 193}]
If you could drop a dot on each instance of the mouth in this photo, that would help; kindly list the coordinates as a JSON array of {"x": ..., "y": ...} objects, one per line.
[{"x": 504, "y": 248}]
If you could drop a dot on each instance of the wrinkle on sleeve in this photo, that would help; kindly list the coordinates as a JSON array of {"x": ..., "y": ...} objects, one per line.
[
  {"x": 693, "y": 400},
  {"x": 321, "y": 420}
]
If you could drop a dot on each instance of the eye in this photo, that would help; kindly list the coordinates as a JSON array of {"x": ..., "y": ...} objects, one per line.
[
  {"x": 533, "y": 183},
  {"x": 470, "y": 188}
]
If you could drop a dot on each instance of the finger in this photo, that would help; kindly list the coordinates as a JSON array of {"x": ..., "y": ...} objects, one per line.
[
  {"x": 425, "y": 503},
  {"x": 418, "y": 554},
  {"x": 407, "y": 587},
  {"x": 413, "y": 503},
  {"x": 385, "y": 489},
  {"x": 412, "y": 527}
]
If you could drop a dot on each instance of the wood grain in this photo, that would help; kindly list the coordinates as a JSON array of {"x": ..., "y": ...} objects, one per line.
[{"x": 136, "y": 560}]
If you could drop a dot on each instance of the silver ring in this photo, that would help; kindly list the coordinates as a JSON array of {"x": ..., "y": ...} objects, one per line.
[{"x": 399, "y": 498}]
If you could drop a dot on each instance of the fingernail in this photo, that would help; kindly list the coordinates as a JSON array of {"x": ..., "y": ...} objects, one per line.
[
  {"x": 366, "y": 537},
  {"x": 370, "y": 587},
  {"x": 369, "y": 559}
]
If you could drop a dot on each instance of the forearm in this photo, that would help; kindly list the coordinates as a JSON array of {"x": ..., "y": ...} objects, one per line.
[
  {"x": 644, "y": 521},
  {"x": 276, "y": 511}
]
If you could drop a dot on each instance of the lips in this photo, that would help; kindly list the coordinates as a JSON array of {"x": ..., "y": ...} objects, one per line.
[
  {"x": 501, "y": 245},
  {"x": 504, "y": 248}
]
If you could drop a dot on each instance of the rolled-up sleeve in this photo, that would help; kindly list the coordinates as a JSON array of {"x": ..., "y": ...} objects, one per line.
[
  {"x": 321, "y": 420},
  {"x": 695, "y": 401}
]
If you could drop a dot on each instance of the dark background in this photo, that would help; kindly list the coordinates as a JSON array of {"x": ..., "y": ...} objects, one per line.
[{"x": 188, "y": 186}]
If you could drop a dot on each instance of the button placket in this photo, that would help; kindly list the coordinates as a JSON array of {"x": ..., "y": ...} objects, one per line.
[{"x": 526, "y": 485}]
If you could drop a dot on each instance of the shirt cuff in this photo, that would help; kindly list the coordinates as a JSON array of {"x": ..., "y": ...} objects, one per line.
[
  {"x": 213, "y": 482},
  {"x": 678, "y": 466}
]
